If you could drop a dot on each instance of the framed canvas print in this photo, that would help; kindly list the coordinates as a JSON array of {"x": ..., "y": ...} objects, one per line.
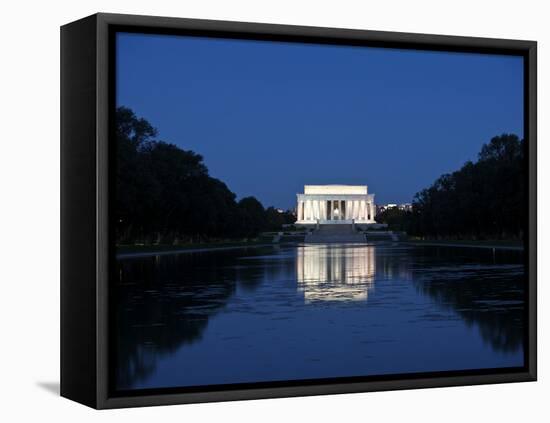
[{"x": 255, "y": 211}]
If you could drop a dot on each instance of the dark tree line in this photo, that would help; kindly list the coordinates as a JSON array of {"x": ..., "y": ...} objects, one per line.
[
  {"x": 164, "y": 194},
  {"x": 481, "y": 200}
]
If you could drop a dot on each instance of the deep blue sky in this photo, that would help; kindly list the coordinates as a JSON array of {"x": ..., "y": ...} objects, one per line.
[{"x": 270, "y": 117}]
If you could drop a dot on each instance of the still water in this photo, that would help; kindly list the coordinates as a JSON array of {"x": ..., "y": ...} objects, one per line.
[{"x": 315, "y": 311}]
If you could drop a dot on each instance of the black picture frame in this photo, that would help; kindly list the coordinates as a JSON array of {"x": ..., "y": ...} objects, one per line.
[{"x": 87, "y": 104}]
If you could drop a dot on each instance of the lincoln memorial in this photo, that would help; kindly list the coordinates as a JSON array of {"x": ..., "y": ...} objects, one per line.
[{"x": 333, "y": 204}]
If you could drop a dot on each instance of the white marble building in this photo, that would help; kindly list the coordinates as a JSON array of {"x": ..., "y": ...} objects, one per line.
[{"x": 333, "y": 204}]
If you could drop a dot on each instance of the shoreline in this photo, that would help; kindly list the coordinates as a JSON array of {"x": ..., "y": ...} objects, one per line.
[
  {"x": 468, "y": 244},
  {"x": 197, "y": 249},
  {"x": 138, "y": 254}
]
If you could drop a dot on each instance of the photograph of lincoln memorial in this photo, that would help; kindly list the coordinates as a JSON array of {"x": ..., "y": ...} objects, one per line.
[
  {"x": 333, "y": 204},
  {"x": 249, "y": 248}
]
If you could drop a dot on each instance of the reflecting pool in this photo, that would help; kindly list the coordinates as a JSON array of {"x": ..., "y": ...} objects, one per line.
[{"x": 315, "y": 311}]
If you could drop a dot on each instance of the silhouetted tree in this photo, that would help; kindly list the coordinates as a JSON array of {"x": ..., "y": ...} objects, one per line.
[
  {"x": 396, "y": 219},
  {"x": 165, "y": 194},
  {"x": 483, "y": 199},
  {"x": 252, "y": 216}
]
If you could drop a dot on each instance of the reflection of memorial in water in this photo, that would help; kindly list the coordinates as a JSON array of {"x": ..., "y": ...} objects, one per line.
[{"x": 335, "y": 272}]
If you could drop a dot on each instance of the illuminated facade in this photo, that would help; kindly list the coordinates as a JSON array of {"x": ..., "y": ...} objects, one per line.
[{"x": 335, "y": 204}]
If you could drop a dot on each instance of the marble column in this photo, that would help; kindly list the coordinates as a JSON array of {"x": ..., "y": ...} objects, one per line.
[{"x": 317, "y": 211}]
